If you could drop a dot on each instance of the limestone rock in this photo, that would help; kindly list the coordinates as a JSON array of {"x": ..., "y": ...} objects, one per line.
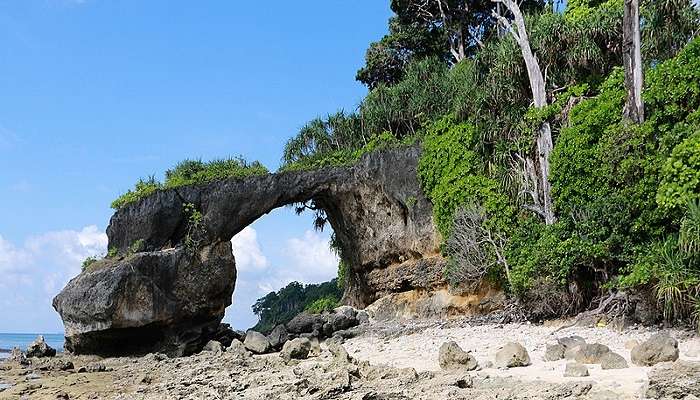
[
  {"x": 575, "y": 370},
  {"x": 297, "y": 349},
  {"x": 55, "y": 364},
  {"x": 39, "y": 348},
  {"x": 257, "y": 342},
  {"x": 169, "y": 301},
  {"x": 612, "y": 360},
  {"x": 554, "y": 352},
  {"x": 465, "y": 382},
  {"x": 453, "y": 357},
  {"x": 18, "y": 356},
  {"x": 278, "y": 337},
  {"x": 659, "y": 348},
  {"x": 363, "y": 317},
  {"x": 591, "y": 353},
  {"x": 92, "y": 368},
  {"x": 571, "y": 341},
  {"x": 570, "y": 352},
  {"x": 674, "y": 380},
  {"x": 237, "y": 349},
  {"x": 215, "y": 347},
  {"x": 512, "y": 355},
  {"x": 339, "y": 353},
  {"x": 306, "y": 323}
]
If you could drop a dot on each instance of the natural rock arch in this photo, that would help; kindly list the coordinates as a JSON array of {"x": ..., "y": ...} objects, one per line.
[{"x": 167, "y": 297}]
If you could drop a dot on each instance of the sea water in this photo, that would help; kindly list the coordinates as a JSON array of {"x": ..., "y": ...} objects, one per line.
[{"x": 22, "y": 340}]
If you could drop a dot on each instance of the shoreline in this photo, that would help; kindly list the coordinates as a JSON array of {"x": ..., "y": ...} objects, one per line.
[{"x": 390, "y": 359}]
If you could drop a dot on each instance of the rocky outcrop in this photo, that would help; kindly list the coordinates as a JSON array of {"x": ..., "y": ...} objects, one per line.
[
  {"x": 172, "y": 293},
  {"x": 659, "y": 348},
  {"x": 678, "y": 380},
  {"x": 167, "y": 300},
  {"x": 39, "y": 349}
]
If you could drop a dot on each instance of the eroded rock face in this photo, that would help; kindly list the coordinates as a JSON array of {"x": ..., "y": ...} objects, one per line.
[
  {"x": 376, "y": 207},
  {"x": 166, "y": 299}
]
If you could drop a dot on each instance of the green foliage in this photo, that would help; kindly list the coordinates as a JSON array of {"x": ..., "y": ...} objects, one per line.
[
  {"x": 689, "y": 238},
  {"x": 142, "y": 189},
  {"x": 195, "y": 228},
  {"x": 322, "y": 305},
  {"x": 88, "y": 262},
  {"x": 112, "y": 252},
  {"x": 451, "y": 174},
  {"x": 137, "y": 247},
  {"x": 281, "y": 306},
  {"x": 680, "y": 175},
  {"x": 191, "y": 172}
]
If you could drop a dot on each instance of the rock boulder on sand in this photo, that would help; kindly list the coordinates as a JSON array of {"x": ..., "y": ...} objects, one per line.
[
  {"x": 591, "y": 353},
  {"x": 39, "y": 348},
  {"x": 575, "y": 370},
  {"x": 278, "y": 337},
  {"x": 296, "y": 349},
  {"x": 512, "y": 355},
  {"x": 257, "y": 342},
  {"x": 659, "y": 348},
  {"x": 554, "y": 352},
  {"x": 612, "y": 360},
  {"x": 453, "y": 357},
  {"x": 18, "y": 356}
]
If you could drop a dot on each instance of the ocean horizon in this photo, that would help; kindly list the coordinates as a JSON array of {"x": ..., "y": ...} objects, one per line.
[{"x": 10, "y": 340}]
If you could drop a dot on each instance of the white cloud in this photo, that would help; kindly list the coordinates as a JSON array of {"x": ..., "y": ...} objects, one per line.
[
  {"x": 247, "y": 251},
  {"x": 310, "y": 260},
  {"x": 49, "y": 260}
]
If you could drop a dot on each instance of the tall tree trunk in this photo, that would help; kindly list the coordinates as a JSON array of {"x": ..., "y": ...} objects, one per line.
[
  {"x": 539, "y": 98},
  {"x": 632, "y": 59}
]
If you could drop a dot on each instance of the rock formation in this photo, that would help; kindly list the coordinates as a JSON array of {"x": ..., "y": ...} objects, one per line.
[{"x": 173, "y": 274}]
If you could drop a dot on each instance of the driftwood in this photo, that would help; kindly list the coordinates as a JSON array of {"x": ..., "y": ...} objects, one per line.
[{"x": 612, "y": 305}]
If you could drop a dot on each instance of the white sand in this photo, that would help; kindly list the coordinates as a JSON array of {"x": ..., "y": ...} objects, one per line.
[{"x": 420, "y": 351}]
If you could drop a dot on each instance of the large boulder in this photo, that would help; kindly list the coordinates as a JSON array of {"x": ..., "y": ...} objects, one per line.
[
  {"x": 677, "y": 380},
  {"x": 575, "y": 370},
  {"x": 278, "y": 337},
  {"x": 257, "y": 342},
  {"x": 512, "y": 355},
  {"x": 453, "y": 357},
  {"x": 659, "y": 348},
  {"x": 39, "y": 348},
  {"x": 612, "y": 360},
  {"x": 591, "y": 353},
  {"x": 169, "y": 301},
  {"x": 306, "y": 323},
  {"x": 296, "y": 349},
  {"x": 554, "y": 352}
]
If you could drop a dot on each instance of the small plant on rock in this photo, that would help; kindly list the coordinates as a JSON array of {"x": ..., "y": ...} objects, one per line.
[{"x": 194, "y": 237}]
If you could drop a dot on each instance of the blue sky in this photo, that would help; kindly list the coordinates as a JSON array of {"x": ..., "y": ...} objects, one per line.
[{"x": 97, "y": 93}]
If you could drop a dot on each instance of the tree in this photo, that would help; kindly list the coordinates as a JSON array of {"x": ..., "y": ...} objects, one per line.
[
  {"x": 632, "y": 60},
  {"x": 539, "y": 96}
]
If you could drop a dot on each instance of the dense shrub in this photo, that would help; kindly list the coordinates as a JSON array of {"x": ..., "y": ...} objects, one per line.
[
  {"x": 680, "y": 175},
  {"x": 322, "y": 305}
]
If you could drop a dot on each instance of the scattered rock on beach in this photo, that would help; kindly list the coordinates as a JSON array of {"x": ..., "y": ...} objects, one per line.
[
  {"x": 659, "y": 348},
  {"x": 58, "y": 364},
  {"x": 296, "y": 349},
  {"x": 257, "y": 342},
  {"x": 453, "y": 357},
  {"x": 278, "y": 337},
  {"x": 575, "y": 370},
  {"x": 237, "y": 349},
  {"x": 39, "y": 348},
  {"x": 512, "y": 355},
  {"x": 571, "y": 341},
  {"x": 554, "y": 352},
  {"x": 612, "y": 360},
  {"x": 18, "y": 356},
  {"x": 591, "y": 353}
]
